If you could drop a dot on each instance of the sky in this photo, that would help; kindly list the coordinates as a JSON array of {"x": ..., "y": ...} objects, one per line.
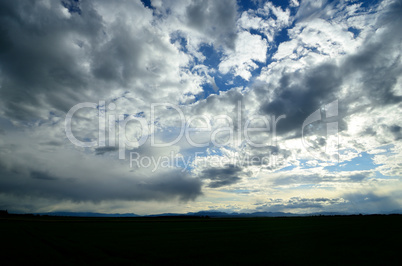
[{"x": 178, "y": 106}]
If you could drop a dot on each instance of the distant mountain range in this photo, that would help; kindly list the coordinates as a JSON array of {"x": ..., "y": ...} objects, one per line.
[
  {"x": 88, "y": 214},
  {"x": 219, "y": 214},
  {"x": 211, "y": 214}
]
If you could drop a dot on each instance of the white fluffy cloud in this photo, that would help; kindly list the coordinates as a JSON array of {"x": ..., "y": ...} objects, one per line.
[{"x": 249, "y": 50}]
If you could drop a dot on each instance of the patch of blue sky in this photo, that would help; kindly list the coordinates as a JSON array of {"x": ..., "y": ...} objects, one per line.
[
  {"x": 287, "y": 168},
  {"x": 184, "y": 163},
  {"x": 245, "y": 5},
  {"x": 305, "y": 165},
  {"x": 346, "y": 151},
  {"x": 369, "y": 3},
  {"x": 387, "y": 148},
  {"x": 207, "y": 89},
  {"x": 223, "y": 82},
  {"x": 282, "y": 3},
  {"x": 213, "y": 55},
  {"x": 212, "y": 59},
  {"x": 257, "y": 32},
  {"x": 200, "y": 151},
  {"x": 140, "y": 114},
  {"x": 355, "y": 31},
  {"x": 282, "y": 35},
  {"x": 147, "y": 3},
  {"x": 363, "y": 161},
  {"x": 381, "y": 176},
  {"x": 72, "y": 6},
  {"x": 176, "y": 37}
]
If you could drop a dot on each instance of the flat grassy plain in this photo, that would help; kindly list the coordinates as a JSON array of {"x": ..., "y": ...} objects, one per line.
[{"x": 292, "y": 240}]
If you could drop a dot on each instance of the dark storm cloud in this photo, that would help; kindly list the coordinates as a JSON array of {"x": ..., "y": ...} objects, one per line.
[
  {"x": 42, "y": 175},
  {"x": 300, "y": 95},
  {"x": 220, "y": 177},
  {"x": 357, "y": 177},
  {"x": 49, "y": 62},
  {"x": 52, "y": 143},
  {"x": 215, "y": 19},
  {"x": 118, "y": 59},
  {"x": 378, "y": 64},
  {"x": 396, "y": 131},
  {"x": 35, "y": 59},
  {"x": 173, "y": 185}
]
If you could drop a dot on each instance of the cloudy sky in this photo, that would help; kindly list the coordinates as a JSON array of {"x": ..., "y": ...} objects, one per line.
[{"x": 180, "y": 106}]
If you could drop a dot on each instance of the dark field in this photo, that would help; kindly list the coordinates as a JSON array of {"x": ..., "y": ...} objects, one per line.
[{"x": 296, "y": 240}]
